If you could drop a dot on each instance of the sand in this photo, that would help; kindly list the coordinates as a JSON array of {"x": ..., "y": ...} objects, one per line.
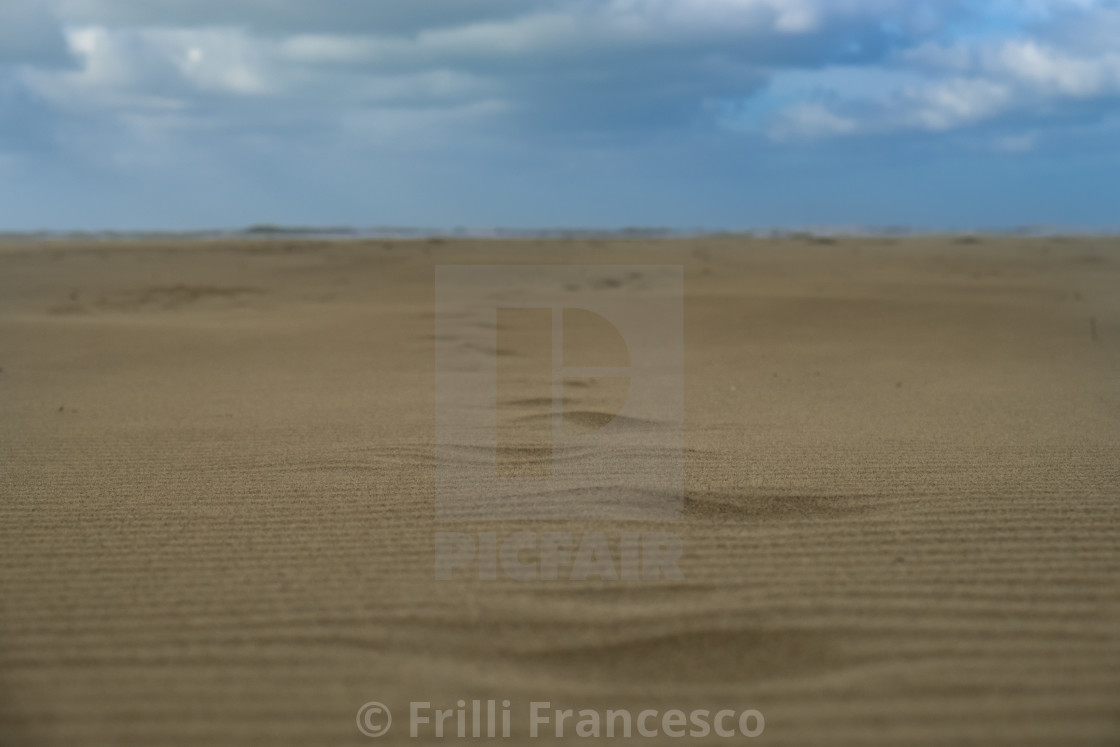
[{"x": 900, "y": 521}]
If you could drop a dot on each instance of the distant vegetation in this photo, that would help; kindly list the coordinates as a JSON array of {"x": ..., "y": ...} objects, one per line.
[{"x": 819, "y": 235}]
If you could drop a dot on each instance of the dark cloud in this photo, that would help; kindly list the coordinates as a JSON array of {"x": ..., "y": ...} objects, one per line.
[
  {"x": 27, "y": 124},
  {"x": 292, "y": 16},
  {"x": 30, "y": 34}
]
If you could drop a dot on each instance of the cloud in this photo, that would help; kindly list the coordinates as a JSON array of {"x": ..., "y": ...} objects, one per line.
[
  {"x": 811, "y": 121},
  {"x": 755, "y": 31},
  {"x": 235, "y": 87},
  {"x": 943, "y": 87},
  {"x": 30, "y": 34},
  {"x": 1021, "y": 143},
  {"x": 591, "y": 68},
  {"x": 282, "y": 17},
  {"x": 26, "y": 122},
  {"x": 602, "y": 68}
]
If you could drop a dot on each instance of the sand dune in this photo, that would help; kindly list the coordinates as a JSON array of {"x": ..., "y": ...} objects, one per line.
[{"x": 900, "y": 521}]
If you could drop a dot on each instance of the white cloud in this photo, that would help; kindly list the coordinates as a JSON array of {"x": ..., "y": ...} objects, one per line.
[
  {"x": 1021, "y": 143},
  {"x": 962, "y": 84},
  {"x": 125, "y": 70},
  {"x": 123, "y": 67},
  {"x": 576, "y": 65},
  {"x": 947, "y": 104},
  {"x": 287, "y": 16},
  {"x": 1052, "y": 72},
  {"x": 579, "y": 28},
  {"x": 862, "y": 66},
  {"x": 811, "y": 121}
]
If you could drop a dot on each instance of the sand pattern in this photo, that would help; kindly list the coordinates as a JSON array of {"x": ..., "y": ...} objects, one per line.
[{"x": 900, "y": 524}]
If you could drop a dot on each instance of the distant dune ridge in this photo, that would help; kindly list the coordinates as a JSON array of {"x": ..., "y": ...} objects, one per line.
[{"x": 899, "y": 526}]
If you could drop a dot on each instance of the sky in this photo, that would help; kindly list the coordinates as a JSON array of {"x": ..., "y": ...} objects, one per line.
[{"x": 687, "y": 114}]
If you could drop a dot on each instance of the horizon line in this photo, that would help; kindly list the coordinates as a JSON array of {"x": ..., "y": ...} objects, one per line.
[{"x": 268, "y": 230}]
